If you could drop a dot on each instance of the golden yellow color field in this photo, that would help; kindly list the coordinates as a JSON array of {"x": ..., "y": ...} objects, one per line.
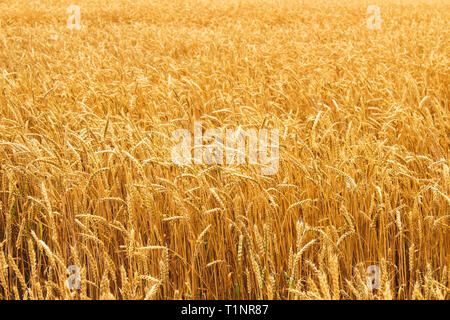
[{"x": 89, "y": 191}]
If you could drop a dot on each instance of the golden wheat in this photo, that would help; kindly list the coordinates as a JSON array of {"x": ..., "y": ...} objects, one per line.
[{"x": 89, "y": 192}]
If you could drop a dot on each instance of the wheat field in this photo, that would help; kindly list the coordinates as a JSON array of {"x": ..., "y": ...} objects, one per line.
[{"x": 89, "y": 193}]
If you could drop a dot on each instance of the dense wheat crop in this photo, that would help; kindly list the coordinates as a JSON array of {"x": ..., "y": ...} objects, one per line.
[{"x": 89, "y": 191}]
